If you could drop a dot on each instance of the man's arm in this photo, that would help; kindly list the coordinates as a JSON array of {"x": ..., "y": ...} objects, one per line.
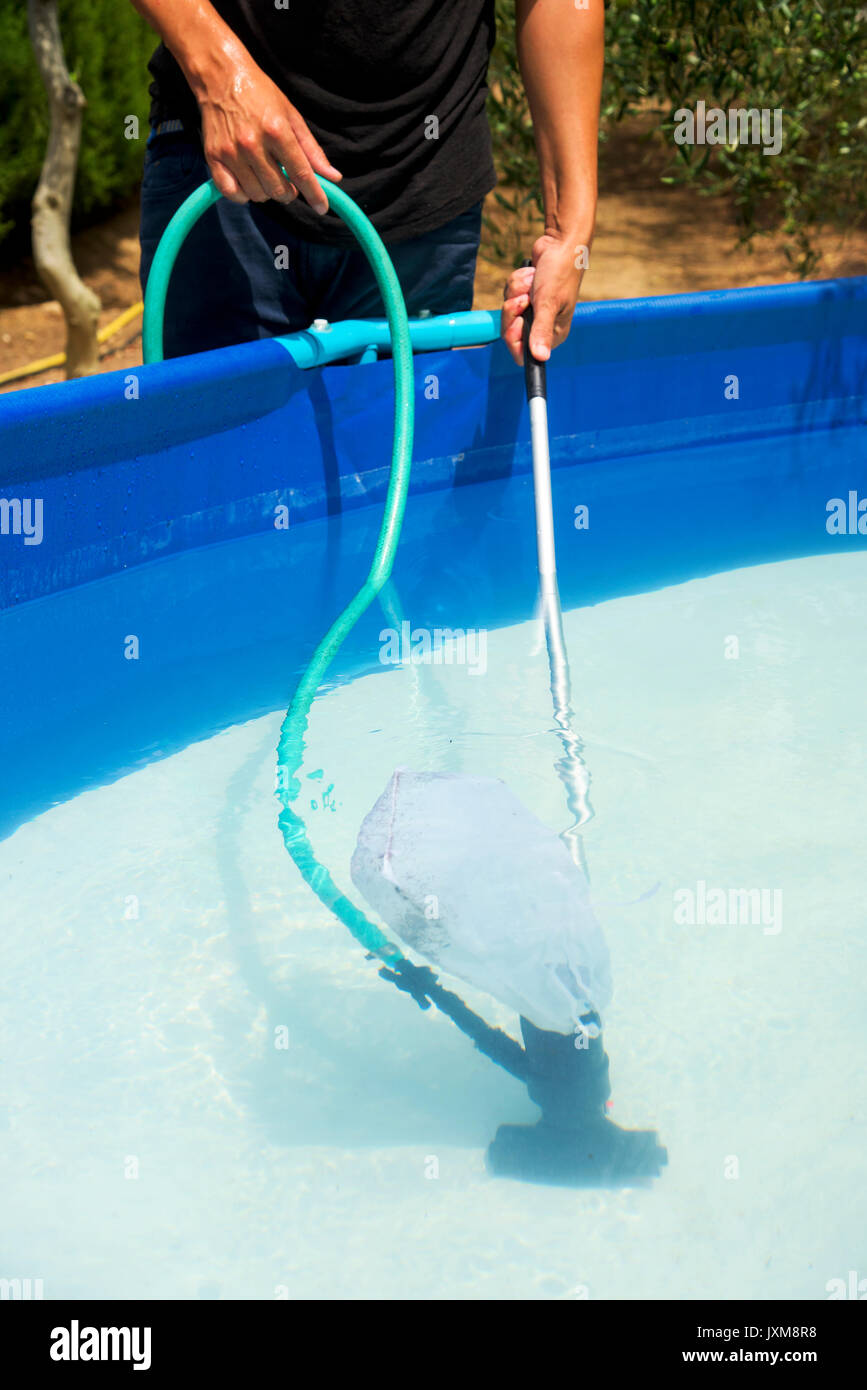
[
  {"x": 561, "y": 53},
  {"x": 249, "y": 127}
]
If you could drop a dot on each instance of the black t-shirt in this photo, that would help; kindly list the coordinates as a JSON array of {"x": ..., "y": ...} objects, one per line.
[{"x": 394, "y": 93}]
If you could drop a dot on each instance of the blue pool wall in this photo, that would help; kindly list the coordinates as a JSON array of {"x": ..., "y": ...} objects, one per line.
[
  {"x": 681, "y": 482},
  {"x": 132, "y": 465}
]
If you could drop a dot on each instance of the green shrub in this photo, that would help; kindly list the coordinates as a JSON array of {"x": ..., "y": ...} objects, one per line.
[
  {"x": 808, "y": 58},
  {"x": 107, "y": 46}
]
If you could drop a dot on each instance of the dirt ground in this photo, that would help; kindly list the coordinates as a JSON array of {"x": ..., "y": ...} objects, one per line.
[{"x": 650, "y": 239}]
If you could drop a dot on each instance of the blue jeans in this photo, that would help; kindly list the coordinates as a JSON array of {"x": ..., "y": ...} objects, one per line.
[{"x": 226, "y": 287}]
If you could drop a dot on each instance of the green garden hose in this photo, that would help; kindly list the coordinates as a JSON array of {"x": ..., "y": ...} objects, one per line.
[
  {"x": 163, "y": 264},
  {"x": 417, "y": 981},
  {"x": 290, "y": 749}
]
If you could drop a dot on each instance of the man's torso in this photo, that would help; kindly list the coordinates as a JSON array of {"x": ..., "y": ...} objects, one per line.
[{"x": 394, "y": 93}]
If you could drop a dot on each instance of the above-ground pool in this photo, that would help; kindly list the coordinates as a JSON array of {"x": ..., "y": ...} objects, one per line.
[{"x": 207, "y": 1089}]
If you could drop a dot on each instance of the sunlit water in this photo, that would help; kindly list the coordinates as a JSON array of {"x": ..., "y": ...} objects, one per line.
[{"x": 209, "y": 1091}]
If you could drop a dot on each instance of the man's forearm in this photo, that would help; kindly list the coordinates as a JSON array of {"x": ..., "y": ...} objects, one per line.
[
  {"x": 197, "y": 37},
  {"x": 561, "y": 54}
]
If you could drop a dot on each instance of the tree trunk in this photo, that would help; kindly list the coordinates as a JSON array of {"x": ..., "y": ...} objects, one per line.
[{"x": 52, "y": 202}]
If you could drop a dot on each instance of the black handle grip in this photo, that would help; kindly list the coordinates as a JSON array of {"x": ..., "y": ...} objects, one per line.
[{"x": 534, "y": 371}]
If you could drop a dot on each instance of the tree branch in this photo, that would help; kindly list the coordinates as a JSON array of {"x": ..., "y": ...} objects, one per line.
[{"x": 52, "y": 202}]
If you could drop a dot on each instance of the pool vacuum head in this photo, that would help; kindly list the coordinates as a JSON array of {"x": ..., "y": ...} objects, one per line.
[
  {"x": 467, "y": 876},
  {"x": 574, "y": 1144}
]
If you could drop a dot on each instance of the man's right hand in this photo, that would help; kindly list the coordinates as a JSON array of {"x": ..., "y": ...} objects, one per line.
[{"x": 250, "y": 129}]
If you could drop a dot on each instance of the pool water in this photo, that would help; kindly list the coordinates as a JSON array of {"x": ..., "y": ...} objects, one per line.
[{"x": 214, "y": 1095}]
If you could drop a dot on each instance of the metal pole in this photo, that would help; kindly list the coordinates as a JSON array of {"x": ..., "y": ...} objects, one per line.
[{"x": 571, "y": 768}]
